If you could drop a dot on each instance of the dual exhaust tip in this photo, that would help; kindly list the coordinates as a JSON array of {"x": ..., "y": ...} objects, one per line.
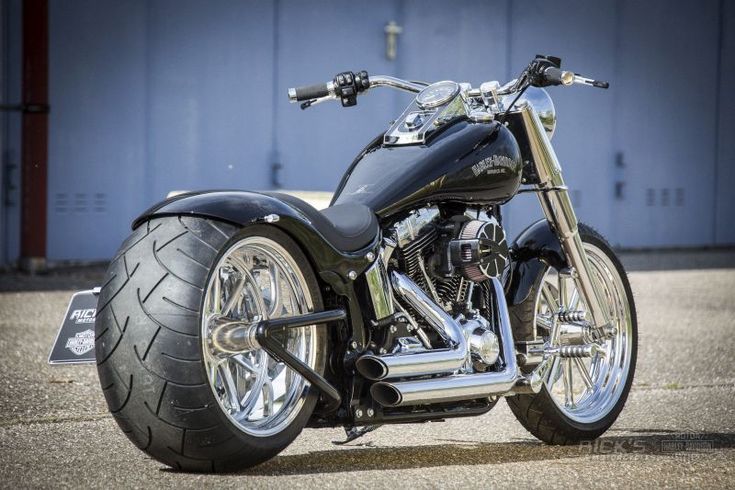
[
  {"x": 416, "y": 387},
  {"x": 372, "y": 367},
  {"x": 386, "y": 394}
]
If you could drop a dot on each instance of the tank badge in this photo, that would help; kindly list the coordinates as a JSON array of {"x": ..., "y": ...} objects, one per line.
[{"x": 495, "y": 164}]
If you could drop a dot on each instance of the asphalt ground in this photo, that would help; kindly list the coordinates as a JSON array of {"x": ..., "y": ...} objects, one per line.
[{"x": 677, "y": 430}]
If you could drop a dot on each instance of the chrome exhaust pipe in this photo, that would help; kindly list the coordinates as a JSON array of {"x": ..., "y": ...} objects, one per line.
[
  {"x": 436, "y": 361},
  {"x": 460, "y": 386}
]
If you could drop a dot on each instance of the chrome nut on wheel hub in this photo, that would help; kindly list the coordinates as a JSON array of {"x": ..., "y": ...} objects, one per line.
[{"x": 233, "y": 337}]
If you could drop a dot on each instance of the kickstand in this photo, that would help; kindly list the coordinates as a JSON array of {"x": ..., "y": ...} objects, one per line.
[{"x": 353, "y": 433}]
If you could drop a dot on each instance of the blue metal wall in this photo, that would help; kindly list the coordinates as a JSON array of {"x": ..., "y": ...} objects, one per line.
[{"x": 149, "y": 97}]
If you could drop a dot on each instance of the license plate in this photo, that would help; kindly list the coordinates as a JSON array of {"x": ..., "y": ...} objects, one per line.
[{"x": 75, "y": 341}]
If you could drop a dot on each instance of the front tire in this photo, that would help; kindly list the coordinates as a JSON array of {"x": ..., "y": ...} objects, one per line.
[
  {"x": 553, "y": 415},
  {"x": 154, "y": 358}
]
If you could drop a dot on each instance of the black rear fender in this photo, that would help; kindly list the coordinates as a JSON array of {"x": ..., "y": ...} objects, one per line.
[{"x": 243, "y": 208}]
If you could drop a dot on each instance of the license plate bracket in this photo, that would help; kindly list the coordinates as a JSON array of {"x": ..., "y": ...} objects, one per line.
[{"x": 74, "y": 342}]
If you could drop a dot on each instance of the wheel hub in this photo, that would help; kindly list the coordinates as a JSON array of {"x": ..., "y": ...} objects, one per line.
[{"x": 233, "y": 336}]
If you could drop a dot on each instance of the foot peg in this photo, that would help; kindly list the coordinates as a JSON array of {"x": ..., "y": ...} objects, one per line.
[
  {"x": 567, "y": 316},
  {"x": 571, "y": 351}
]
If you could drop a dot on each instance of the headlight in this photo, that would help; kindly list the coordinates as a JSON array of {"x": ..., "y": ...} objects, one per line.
[{"x": 543, "y": 105}]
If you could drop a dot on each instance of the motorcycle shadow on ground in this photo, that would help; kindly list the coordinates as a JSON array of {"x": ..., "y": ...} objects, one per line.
[{"x": 654, "y": 442}]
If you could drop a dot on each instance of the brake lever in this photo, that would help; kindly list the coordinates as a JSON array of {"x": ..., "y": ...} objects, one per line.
[{"x": 313, "y": 102}]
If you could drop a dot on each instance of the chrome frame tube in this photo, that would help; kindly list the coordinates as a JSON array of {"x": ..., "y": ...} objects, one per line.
[
  {"x": 435, "y": 361},
  {"x": 461, "y": 386},
  {"x": 557, "y": 207}
]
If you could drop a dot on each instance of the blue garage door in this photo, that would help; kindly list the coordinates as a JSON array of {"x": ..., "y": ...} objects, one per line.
[
  {"x": 666, "y": 123},
  {"x": 582, "y": 34},
  {"x": 97, "y": 125},
  {"x": 315, "y": 42},
  {"x": 150, "y": 97}
]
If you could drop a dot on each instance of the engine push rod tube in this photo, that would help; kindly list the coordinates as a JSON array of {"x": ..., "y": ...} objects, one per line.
[
  {"x": 435, "y": 361},
  {"x": 461, "y": 386},
  {"x": 557, "y": 207}
]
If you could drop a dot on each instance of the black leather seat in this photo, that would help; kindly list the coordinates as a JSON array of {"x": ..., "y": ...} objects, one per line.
[{"x": 348, "y": 227}]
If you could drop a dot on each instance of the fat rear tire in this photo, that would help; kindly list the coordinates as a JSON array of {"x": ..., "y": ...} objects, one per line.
[
  {"x": 149, "y": 347},
  {"x": 538, "y": 413}
]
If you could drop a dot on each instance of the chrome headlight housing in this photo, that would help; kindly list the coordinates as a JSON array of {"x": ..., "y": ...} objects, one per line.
[{"x": 544, "y": 107}]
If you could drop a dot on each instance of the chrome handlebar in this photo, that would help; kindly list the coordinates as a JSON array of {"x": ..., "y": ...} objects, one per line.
[
  {"x": 328, "y": 90},
  {"x": 397, "y": 83}
]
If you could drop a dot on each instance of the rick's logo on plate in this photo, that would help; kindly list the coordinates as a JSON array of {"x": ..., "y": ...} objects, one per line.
[{"x": 83, "y": 316}]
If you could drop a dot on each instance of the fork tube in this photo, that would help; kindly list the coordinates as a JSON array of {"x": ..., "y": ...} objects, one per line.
[{"x": 559, "y": 212}]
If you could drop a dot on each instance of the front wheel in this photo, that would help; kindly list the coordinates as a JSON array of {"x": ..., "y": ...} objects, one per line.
[
  {"x": 172, "y": 390},
  {"x": 581, "y": 397}
]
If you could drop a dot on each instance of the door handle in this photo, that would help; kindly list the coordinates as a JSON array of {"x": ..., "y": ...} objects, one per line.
[{"x": 620, "y": 180}]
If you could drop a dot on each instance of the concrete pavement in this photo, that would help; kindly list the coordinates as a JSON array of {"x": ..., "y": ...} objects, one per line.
[{"x": 677, "y": 430}]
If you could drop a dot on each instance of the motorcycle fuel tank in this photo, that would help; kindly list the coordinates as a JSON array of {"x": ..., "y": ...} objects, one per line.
[{"x": 477, "y": 163}]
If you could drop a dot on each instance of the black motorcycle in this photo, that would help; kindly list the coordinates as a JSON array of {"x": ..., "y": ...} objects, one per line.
[{"x": 230, "y": 320}]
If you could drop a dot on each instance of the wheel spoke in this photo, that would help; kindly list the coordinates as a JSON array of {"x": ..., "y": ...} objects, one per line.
[
  {"x": 256, "y": 390},
  {"x": 568, "y": 384},
  {"x": 256, "y": 292},
  {"x": 229, "y": 385},
  {"x": 574, "y": 300},
  {"x": 552, "y": 375},
  {"x": 235, "y": 296},
  {"x": 549, "y": 298},
  {"x": 245, "y": 363},
  {"x": 275, "y": 290},
  {"x": 543, "y": 321},
  {"x": 268, "y": 398},
  {"x": 214, "y": 370},
  {"x": 217, "y": 293},
  {"x": 584, "y": 373}
]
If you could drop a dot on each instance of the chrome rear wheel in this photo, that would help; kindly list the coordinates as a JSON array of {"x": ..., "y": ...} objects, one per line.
[{"x": 256, "y": 279}]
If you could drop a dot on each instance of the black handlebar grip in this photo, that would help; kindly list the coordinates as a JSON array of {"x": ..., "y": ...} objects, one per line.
[
  {"x": 555, "y": 76},
  {"x": 311, "y": 92}
]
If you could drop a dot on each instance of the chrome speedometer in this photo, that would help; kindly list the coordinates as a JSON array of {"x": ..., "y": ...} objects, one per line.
[{"x": 437, "y": 94}]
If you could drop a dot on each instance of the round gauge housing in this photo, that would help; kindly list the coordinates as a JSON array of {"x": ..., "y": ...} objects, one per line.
[{"x": 437, "y": 94}]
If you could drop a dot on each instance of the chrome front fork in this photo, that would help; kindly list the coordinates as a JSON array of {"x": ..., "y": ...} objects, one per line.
[{"x": 558, "y": 209}]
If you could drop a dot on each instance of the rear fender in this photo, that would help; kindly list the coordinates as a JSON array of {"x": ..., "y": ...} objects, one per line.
[{"x": 243, "y": 208}]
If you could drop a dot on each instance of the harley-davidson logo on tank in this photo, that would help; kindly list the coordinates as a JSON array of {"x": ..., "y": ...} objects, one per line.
[{"x": 495, "y": 164}]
